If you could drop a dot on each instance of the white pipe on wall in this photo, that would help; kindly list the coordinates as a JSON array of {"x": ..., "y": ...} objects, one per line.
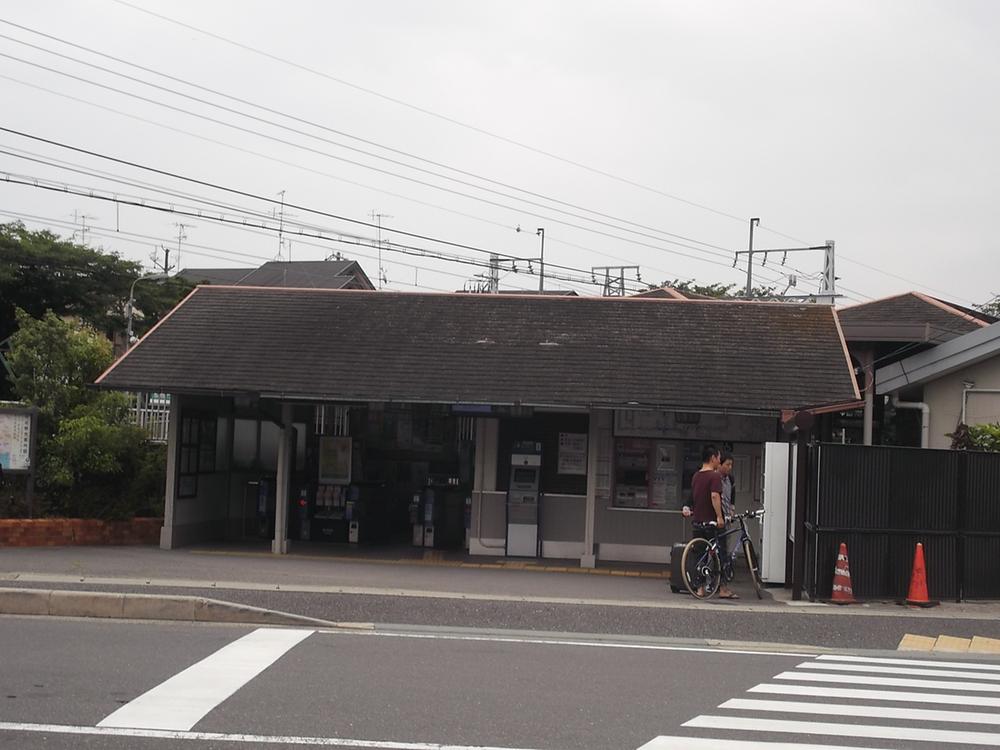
[{"x": 925, "y": 417}]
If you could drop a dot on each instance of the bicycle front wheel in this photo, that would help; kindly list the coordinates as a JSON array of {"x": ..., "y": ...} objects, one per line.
[
  {"x": 701, "y": 569},
  {"x": 751, "y": 554}
]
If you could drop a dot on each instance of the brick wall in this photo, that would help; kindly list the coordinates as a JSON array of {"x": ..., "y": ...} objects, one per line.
[{"x": 61, "y": 532}]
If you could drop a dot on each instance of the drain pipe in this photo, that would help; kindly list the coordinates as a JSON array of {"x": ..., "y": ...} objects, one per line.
[{"x": 925, "y": 417}]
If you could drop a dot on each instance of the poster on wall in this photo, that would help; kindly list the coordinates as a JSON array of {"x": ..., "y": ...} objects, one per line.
[
  {"x": 15, "y": 441},
  {"x": 335, "y": 460},
  {"x": 665, "y": 490},
  {"x": 572, "y": 453}
]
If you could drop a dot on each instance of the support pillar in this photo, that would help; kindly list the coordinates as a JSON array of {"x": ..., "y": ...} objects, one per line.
[
  {"x": 173, "y": 464},
  {"x": 589, "y": 559},
  {"x": 280, "y": 544},
  {"x": 867, "y": 361}
]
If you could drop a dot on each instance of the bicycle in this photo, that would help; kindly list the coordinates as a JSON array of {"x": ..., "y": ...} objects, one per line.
[{"x": 703, "y": 567}]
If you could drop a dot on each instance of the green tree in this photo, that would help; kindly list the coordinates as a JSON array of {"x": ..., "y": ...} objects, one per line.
[
  {"x": 718, "y": 290},
  {"x": 41, "y": 272},
  {"x": 992, "y": 307},
  {"x": 92, "y": 462}
]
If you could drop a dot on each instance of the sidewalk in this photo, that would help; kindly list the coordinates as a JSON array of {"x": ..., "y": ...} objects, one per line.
[{"x": 406, "y": 572}]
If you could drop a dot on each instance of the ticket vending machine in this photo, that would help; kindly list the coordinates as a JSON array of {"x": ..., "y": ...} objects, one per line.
[{"x": 522, "y": 499}]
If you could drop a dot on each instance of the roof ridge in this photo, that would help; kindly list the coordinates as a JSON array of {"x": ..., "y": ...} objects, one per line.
[{"x": 946, "y": 306}]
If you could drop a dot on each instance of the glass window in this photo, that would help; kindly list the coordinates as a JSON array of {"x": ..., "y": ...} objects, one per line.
[{"x": 648, "y": 474}]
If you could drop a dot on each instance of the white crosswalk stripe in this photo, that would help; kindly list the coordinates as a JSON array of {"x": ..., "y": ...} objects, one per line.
[{"x": 854, "y": 704}]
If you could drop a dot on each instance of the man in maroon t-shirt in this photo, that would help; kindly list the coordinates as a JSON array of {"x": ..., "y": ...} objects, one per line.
[{"x": 706, "y": 501}]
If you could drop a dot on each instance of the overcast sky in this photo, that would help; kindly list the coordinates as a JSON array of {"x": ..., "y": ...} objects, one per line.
[{"x": 873, "y": 124}]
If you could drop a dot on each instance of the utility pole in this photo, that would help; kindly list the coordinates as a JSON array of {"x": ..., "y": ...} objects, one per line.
[
  {"x": 82, "y": 218},
  {"x": 181, "y": 236},
  {"x": 164, "y": 267},
  {"x": 753, "y": 222},
  {"x": 828, "y": 287},
  {"x": 614, "y": 283},
  {"x": 377, "y": 218},
  {"x": 541, "y": 260},
  {"x": 281, "y": 227}
]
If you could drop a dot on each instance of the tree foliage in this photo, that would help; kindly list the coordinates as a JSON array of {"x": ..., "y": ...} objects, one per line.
[
  {"x": 992, "y": 307},
  {"x": 39, "y": 272},
  {"x": 717, "y": 290},
  {"x": 92, "y": 462}
]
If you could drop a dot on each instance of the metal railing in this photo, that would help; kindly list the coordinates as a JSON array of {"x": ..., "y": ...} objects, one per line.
[{"x": 151, "y": 412}]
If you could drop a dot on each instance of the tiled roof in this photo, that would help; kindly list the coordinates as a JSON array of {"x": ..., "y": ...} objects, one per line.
[
  {"x": 499, "y": 349},
  {"x": 304, "y": 274},
  {"x": 214, "y": 275},
  {"x": 307, "y": 274},
  {"x": 908, "y": 317}
]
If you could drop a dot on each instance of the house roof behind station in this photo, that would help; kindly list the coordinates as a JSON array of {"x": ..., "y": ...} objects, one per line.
[
  {"x": 304, "y": 344},
  {"x": 910, "y": 317}
]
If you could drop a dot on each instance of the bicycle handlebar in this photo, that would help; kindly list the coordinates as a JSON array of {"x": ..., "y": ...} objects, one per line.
[{"x": 746, "y": 514}]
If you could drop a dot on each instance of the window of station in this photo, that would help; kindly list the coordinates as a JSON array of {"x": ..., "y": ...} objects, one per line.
[
  {"x": 197, "y": 451},
  {"x": 655, "y": 474}
]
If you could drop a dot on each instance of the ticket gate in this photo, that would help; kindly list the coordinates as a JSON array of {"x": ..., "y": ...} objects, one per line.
[{"x": 522, "y": 499}]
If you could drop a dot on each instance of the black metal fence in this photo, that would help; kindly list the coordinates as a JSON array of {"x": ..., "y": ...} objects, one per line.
[{"x": 881, "y": 501}]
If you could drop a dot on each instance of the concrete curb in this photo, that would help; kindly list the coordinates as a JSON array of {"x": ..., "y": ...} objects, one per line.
[{"x": 42, "y": 602}]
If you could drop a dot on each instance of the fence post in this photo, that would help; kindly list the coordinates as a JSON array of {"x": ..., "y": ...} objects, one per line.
[
  {"x": 961, "y": 500},
  {"x": 801, "y": 498}
]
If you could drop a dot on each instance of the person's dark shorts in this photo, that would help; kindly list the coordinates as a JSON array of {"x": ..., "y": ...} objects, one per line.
[{"x": 712, "y": 532}]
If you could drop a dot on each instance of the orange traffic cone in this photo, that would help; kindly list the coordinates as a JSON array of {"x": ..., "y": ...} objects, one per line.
[
  {"x": 842, "y": 591},
  {"x": 918, "y": 581}
]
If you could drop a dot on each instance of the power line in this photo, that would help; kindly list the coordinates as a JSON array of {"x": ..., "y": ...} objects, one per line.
[
  {"x": 267, "y": 199},
  {"x": 389, "y": 246},
  {"x": 390, "y": 173},
  {"x": 219, "y": 253},
  {"x": 410, "y": 179},
  {"x": 457, "y": 122},
  {"x": 93, "y": 172},
  {"x": 431, "y": 113},
  {"x": 320, "y": 126}
]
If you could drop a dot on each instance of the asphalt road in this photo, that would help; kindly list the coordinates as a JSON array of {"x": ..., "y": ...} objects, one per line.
[
  {"x": 60, "y": 679},
  {"x": 718, "y": 620}
]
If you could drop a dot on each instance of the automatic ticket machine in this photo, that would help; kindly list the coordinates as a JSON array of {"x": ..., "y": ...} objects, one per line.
[{"x": 522, "y": 499}]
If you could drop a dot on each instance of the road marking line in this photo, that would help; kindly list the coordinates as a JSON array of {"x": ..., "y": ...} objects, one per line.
[
  {"x": 184, "y": 699},
  {"x": 899, "y": 670},
  {"x": 877, "y": 695},
  {"x": 921, "y": 734},
  {"x": 253, "y": 739},
  {"x": 700, "y": 743},
  {"x": 844, "y": 709},
  {"x": 559, "y": 642},
  {"x": 851, "y": 679},
  {"x": 910, "y": 662}
]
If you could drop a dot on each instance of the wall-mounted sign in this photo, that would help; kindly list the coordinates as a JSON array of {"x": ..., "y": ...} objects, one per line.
[
  {"x": 735, "y": 428},
  {"x": 335, "y": 460},
  {"x": 572, "y": 453}
]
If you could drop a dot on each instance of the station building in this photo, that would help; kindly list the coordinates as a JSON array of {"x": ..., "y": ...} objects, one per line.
[{"x": 505, "y": 425}]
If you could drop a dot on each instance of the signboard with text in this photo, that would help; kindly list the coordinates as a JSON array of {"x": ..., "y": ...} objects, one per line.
[{"x": 16, "y": 443}]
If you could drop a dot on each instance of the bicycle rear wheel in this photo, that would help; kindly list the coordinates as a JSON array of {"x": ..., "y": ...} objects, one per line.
[
  {"x": 751, "y": 554},
  {"x": 701, "y": 569}
]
